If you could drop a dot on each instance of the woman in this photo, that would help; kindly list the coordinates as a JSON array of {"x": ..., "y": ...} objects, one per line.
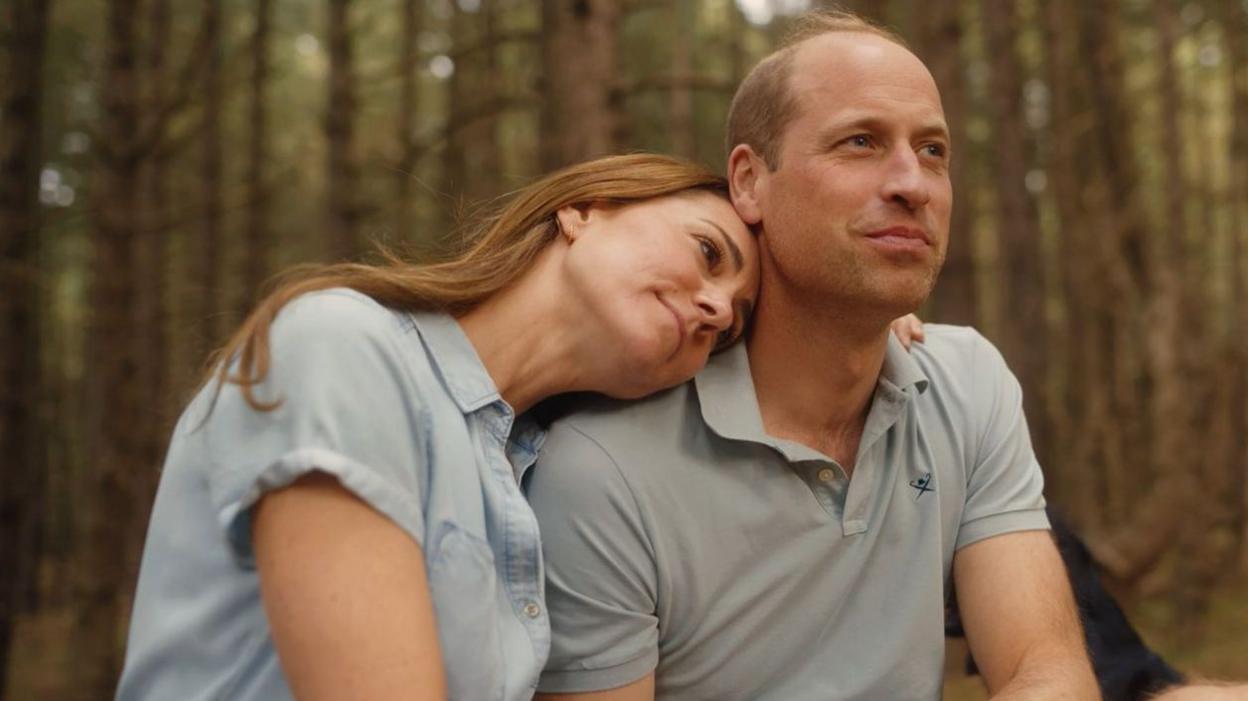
[{"x": 340, "y": 513}]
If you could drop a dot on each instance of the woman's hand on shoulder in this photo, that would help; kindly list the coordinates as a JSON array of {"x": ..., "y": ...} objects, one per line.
[
  {"x": 346, "y": 596},
  {"x": 908, "y": 329}
]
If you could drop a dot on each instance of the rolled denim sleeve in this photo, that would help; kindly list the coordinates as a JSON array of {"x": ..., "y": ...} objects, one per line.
[{"x": 347, "y": 408}]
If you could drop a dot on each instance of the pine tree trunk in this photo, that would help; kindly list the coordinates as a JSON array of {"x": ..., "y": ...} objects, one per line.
[
  {"x": 118, "y": 369},
  {"x": 680, "y": 106},
  {"x": 580, "y": 111},
  {"x": 472, "y": 162},
  {"x": 210, "y": 244},
  {"x": 343, "y": 168},
  {"x": 407, "y": 75},
  {"x": 23, "y": 36},
  {"x": 258, "y": 235},
  {"x": 938, "y": 43},
  {"x": 1025, "y": 340}
]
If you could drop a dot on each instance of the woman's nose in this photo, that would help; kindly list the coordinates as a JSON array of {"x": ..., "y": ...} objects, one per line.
[{"x": 716, "y": 309}]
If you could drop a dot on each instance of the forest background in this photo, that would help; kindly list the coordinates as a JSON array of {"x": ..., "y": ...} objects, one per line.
[{"x": 160, "y": 159}]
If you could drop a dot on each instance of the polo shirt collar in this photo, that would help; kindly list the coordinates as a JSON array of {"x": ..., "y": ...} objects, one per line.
[
  {"x": 455, "y": 359},
  {"x": 730, "y": 406},
  {"x": 900, "y": 371}
]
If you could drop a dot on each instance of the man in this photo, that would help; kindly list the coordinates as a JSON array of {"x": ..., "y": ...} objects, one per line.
[{"x": 786, "y": 526}]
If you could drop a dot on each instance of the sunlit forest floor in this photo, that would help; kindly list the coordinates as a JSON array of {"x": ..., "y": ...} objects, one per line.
[
  {"x": 40, "y": 662},
  {"x": 1219, "y": 650}
]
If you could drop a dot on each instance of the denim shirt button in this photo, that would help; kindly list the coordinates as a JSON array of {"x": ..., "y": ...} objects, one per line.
[{"x": 532, "y": 610}]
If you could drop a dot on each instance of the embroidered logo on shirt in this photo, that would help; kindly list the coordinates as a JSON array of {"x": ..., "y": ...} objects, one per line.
[{"x": 923, "y": 484}]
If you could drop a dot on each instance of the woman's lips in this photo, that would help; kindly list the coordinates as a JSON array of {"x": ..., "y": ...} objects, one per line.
[{"x": 680, "y": 326}]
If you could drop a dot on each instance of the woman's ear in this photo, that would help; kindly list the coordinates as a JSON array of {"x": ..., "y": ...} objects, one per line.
[
  {"x": 572, "y": 219},
  {"x": 747, "y": 175}
]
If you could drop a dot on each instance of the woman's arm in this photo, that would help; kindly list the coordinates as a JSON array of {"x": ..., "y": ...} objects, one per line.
[{"x": 346, "y": 596}]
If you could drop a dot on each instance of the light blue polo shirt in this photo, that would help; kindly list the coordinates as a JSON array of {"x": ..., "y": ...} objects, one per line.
[
  {"x": 682, "y": 539},
  {"x": 399, "y": 408}
]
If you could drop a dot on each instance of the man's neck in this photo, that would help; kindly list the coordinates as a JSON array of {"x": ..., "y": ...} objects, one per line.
[{"x": 815, "y": 370}]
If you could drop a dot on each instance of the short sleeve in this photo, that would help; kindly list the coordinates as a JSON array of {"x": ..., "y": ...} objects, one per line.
[
  {"x": 600, "y": 571},
  {"x": 1005, "y": 485},
  {"x": 349, "y": 408}
]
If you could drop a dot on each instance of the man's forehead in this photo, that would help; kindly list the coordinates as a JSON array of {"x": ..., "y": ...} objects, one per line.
[{"x": 857, "y": 60}]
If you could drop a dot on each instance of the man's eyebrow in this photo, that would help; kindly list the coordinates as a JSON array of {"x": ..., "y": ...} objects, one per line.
[{"x": 737, "y": 260}]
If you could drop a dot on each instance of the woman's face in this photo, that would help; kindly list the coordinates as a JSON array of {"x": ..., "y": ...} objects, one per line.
[{"x": 666, "y": 281}]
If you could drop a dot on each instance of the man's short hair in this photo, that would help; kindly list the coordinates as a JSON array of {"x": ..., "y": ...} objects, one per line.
[{"x": 764, "y": 105}]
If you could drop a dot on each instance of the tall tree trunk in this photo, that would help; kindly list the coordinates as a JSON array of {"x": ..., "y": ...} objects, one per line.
[
  {"x": 580, "y": 108},
  {"x": 1235, "y": 33},
  {"x": 153, "y": 313},
  {"x": 407, "y": 75},
  {"x": 472, "y": 161},
  {"x": 938, "y": 43},
  {"x": 1143, "y": 538},
  {"x": 258, "y": 234},
  {"x": 680, "y": 107},
  {"x": 209, "y": 259},
  {"x": 343, "y": 168},
  {"x": 118, "y": 369},
  {"x": 1026, "y": 329},
  {"x": 1081, "y": 416},
  {"x": 23, "y": 36}
]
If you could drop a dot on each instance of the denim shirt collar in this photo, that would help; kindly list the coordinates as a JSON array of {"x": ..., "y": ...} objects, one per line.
[{"x": 456, "y": 361}]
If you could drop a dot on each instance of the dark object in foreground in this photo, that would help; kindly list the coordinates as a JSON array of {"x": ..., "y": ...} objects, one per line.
[{"x": 1125, "y": 667}]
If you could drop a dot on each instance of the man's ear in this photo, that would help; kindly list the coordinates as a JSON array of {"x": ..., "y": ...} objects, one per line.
[
  {"x": 573, "y": 218},
  {"x": 747, "y": 175}
]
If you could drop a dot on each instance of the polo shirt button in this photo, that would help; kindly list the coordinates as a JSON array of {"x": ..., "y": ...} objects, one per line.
[
  {"x": 532, "y": 610},
  {"x": 826, "y": 475}
]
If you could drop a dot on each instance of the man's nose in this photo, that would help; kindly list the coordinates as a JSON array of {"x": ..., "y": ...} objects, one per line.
[{"x": 905, "y": 182}]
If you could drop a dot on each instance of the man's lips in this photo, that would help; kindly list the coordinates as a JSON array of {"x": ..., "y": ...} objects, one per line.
[{"x": 901, "y": 237}]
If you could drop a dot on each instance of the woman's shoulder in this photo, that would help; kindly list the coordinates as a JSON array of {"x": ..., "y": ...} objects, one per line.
[{"x": 338, "y": 310}]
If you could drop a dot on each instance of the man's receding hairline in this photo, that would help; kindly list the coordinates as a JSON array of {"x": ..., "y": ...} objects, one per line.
[{"x": 765, "y": 103}]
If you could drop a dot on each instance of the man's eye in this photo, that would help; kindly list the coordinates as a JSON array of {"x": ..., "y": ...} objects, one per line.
[
  {"x": 859, "y": 140},
  {"x": 935, "y": 150},
  {"x": 710, "y": 251}
]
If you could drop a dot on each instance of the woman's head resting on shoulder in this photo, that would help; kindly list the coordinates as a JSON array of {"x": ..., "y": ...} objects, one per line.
[
  {"x": 646, "y": 252},
  {"x": 659, "y": 283}
]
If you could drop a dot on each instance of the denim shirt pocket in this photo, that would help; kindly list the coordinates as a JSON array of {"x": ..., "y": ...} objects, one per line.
[{"x": 463, "y": 583}]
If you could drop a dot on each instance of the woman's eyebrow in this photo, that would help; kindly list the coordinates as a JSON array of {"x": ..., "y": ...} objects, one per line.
[{"x": 737, "y": 260}]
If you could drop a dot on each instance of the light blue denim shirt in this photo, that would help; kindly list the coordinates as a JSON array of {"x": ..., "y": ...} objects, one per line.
[{"x": 399, "y": 408}]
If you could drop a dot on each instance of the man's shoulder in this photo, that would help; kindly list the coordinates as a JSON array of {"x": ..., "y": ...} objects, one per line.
[
  {"x": 955, "y": 354},
  {"x": 609, "y": 419}
]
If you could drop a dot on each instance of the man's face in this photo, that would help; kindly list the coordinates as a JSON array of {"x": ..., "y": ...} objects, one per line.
[{"x": 857, "y": 211}]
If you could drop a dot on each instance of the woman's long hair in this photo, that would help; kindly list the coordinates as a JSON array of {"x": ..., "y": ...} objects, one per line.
[{"x": 494, "y": 253}]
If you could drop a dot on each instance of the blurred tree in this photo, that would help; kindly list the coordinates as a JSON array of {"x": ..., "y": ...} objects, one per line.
[
  {"x": 472, "y": 160},
  {"x": 210, "y": 244},
  {"x": 581, "y": 109},
  {"x": 408, "y": 148},
  {"x": 118, "y": 448},
  {"x": 938, "y": 40},
  {"x": 23, "y": 37},
  {"x": 342, "y": 174},
  {"x": 1025, "y": 340},
  {"x": 258, "y": 234}
]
